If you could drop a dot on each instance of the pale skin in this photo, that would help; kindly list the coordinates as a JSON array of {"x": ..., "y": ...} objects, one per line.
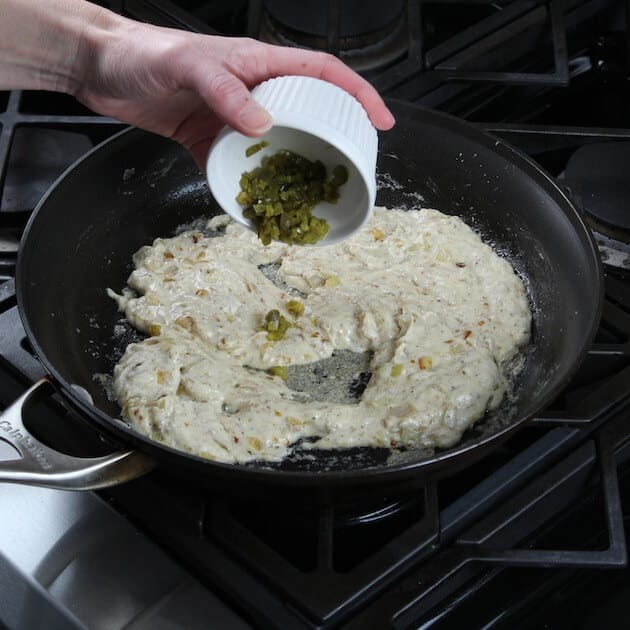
[{"x": 177, "y": 84}]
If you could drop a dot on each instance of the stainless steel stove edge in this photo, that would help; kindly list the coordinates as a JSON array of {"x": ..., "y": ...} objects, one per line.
[{"x": 69, "y": 560}]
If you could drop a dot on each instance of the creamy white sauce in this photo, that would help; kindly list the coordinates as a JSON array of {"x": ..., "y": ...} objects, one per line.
[{"x": 440, "y": 310}]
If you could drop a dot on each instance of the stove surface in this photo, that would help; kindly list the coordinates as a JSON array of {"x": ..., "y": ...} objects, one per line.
[{"x": 520, "y": 539}]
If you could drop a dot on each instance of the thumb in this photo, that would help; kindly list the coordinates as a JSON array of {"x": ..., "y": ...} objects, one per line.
[{"x": 231, "y": 101}]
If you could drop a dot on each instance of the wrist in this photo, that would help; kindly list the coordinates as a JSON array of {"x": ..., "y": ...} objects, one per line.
[
  {"x": 102, "y": 36},
  {"x": 46, "y": 46}
]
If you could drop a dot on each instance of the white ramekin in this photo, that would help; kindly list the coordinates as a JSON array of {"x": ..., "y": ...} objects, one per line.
[{"x": 319, "y": 121}]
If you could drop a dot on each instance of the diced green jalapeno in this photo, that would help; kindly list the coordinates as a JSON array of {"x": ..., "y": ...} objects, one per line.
[{"x": 280, "y": 194}]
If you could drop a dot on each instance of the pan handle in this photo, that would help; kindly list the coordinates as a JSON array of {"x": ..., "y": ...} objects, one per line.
[{"x": 40, "y": 465}]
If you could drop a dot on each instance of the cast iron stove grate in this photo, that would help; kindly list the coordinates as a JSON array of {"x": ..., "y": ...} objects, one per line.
[{"x": 40, "y": 136}]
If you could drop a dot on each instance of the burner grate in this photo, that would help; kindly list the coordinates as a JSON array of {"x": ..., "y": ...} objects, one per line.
[{"x": 37, "y": 143}]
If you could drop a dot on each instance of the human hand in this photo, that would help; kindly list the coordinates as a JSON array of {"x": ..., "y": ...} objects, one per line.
[{"x": 186, "y": 86}]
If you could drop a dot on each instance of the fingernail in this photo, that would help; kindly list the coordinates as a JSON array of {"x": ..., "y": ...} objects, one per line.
[
  {"x": 255, "y": 119},
  {"x": 390, "y": 120}
]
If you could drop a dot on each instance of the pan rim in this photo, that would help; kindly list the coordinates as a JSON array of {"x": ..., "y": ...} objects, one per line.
[{"x": 120, "y": 431}]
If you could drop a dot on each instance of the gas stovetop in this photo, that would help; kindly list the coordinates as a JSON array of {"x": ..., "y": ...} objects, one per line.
[{"x": 512, "y": 541}]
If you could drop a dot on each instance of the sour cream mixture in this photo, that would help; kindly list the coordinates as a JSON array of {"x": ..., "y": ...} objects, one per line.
[{"x": 442, "y": 313}]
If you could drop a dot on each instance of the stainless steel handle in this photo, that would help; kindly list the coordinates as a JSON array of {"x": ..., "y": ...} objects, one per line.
[{"x": 41, "y": 465}]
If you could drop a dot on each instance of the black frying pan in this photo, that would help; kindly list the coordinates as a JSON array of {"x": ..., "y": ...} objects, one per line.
[{"x": 136, "y": 187}]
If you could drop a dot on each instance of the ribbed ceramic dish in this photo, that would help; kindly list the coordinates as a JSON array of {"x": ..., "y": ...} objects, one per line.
[{"x": 319, "y": 121}]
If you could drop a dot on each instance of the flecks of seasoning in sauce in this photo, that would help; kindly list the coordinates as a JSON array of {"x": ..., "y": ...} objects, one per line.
[{"x": 390, "y": 300}]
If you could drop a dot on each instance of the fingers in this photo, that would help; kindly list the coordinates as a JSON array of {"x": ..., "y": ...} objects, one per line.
[
  {"x": 199, "y": 151},
  {"x": 236, "y": 65},
  {"x": 197, "y": 131},
  {"x": 281, "y": 60},
  {"x": 228, "y": 97}
]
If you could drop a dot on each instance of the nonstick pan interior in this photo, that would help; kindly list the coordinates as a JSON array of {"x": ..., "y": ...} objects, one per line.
[{"x": 137, "y": 187}]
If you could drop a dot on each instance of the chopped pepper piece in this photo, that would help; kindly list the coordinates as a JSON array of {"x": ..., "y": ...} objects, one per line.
[
  {"x": 397, "y": 369},
  {"x": 280, "y": 194},
  {"x": 295, "y": 307},
  {"x": 280, "y": 371},
  {"x": 276, "y": 325},
  {"x": 254, "y": 148}
]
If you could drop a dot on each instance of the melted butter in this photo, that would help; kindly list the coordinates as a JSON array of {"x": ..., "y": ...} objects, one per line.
[{"x": 418, "y": 289}]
